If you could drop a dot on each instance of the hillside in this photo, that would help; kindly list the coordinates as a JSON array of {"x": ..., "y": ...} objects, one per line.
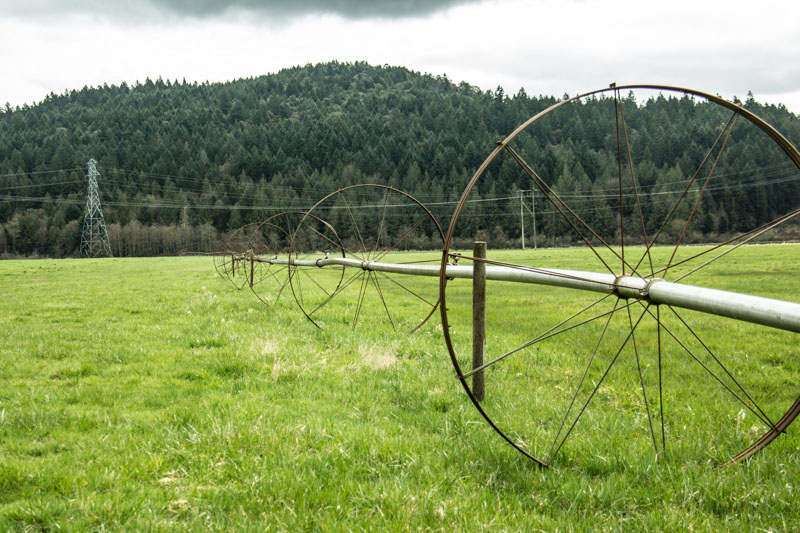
[{"x": 179, "y": 162}]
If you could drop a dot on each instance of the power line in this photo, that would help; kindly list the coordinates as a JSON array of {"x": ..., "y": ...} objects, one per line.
[
  {"x": 587, "y": 199},
  {"x": 72, "y": 182},
  {"x": 780, "y": 177},
  {"x": 37, "y": 172}
]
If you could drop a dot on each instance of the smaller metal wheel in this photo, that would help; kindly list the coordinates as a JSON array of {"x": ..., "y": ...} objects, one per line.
[
  {"x": 271, "y": 243},
  {"x": 376, "y": 224}
]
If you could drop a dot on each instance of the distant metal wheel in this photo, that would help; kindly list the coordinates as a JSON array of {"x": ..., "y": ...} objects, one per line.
[
  {"x": 271, "y": 242},
  {"x": 233, "y": 262},
  {"x": 222, "y": 264},
  {"x": 376, "y": 224},
  {"x": 565, "y": 368}
]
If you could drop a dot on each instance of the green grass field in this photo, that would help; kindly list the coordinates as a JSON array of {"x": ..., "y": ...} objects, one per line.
[{"x": 151, "y": 394}]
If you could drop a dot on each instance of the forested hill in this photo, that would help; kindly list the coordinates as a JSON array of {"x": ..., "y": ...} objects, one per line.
[{"x": 180, "y": 163}]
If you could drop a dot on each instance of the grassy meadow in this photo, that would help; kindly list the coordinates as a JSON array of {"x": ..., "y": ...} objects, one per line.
[{"x": 151, "y": 394}]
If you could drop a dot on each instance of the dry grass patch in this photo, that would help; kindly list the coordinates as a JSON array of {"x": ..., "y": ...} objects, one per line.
[
  {"x": 265, "y": 346},
  {"x": 377, "y": 357}
]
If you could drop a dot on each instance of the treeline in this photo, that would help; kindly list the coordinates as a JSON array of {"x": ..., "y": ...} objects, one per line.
[
  {"x": 182, "y": 163},
  {"x": 34, "y": 236}
]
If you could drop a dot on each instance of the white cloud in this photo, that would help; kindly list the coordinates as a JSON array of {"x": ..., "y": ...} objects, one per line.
[{"x": 547, "y": 46}]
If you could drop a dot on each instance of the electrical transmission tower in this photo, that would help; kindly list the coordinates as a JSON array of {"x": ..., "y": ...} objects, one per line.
[{"x": 94, "y": 241}]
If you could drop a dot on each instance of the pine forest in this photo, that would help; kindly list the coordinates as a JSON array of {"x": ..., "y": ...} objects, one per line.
[{"x": 181, "y": 164}]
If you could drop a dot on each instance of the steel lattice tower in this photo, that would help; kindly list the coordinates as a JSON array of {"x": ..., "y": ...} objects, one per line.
[{"x": 94, "y": 241}]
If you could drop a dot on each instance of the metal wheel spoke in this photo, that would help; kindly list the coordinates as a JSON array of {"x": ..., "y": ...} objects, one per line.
[
  {"x": 558, "y": 204},
  {"x": 275, "y": 274},
  {"x": 433, "y": 306},
  {"x": 315, "y": 282},
  {"x": 745, "y": 238},
  {"x": 380, "y": 221},
  {"x": 338, "y": 290},
  {"x": 641, "y": 380},
  {"x": 635, "y": 184},
  {"x": 263, "y": 272},
  {"x": 722, "y": 366},
  {"x": 292, "y": 273},
  {"x": 660, "y": 387},
  {"x": 267, "y": 274},
  {"x": 335, "y": 244},
  {"x": 702, "y": 192},
  {"x": 619, "y": 180},
  {"x": 385, "y": 275},
  {"x": 526, "y": 268},
  {"x": 401, "y": 238},
  {"x": 550, "y": 333},
  {"x": 219, "y": 266},
  {"x": 686, "y": 189},
  {"x": 597, "y": 386},
  {"x": 361, "y": 293},
  {"x": 583, "y": 378},
  {"x": 709, "y": 371},
  {"x": 285, "y": 283},
  {"x": 355, "y": 224},
  {"x": 418, "y": 261},
  {"x": 374, "y": 279}
]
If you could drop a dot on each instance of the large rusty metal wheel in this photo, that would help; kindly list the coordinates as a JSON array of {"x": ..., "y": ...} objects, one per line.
[
  {"x": 376, "y": 224},
  {"x": 570, "y": 372}
]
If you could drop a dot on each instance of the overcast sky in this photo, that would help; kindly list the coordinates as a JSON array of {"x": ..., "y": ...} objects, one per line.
[{"x": 548, "y": 47}]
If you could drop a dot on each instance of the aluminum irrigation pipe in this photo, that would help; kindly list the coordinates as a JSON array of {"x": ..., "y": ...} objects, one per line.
[{"x": 755, "y": 309}]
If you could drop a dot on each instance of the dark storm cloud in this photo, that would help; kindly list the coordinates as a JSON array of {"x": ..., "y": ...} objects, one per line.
[
  {"x": 278, "y": 9},
  {"x": 345, "y": 8}
]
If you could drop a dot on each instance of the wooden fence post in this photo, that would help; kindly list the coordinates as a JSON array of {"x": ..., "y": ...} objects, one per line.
[
  {"x": 251, "y": 268},
  {"x": 478, "y": 318}
]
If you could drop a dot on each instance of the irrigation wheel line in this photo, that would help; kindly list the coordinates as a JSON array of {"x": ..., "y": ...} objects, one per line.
[
  {"x": 377, "y": 223},
  {"x": 690, "y": 382},
  {"x": 233, "y": 264},
  {"x": 271, "y": 242},
  {"x": 222, "y": 263},
  {"x": 229, "y": 266}
]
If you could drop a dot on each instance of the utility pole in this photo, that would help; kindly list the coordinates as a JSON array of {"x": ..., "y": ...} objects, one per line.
[
  {"x": 531, "y": 210},
  {"x": 533, "y": 214},
  {"x": 522, "y": 220},
  {"x": 94, "y": 240}
]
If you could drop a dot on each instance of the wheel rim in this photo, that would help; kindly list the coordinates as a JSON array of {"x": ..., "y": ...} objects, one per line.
[
  {"x": 233, "y": 263},
  {"x": 272, "y": 240},
  {"x": 622, "y": 330},
  {"x": 376, "y": 223}
]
